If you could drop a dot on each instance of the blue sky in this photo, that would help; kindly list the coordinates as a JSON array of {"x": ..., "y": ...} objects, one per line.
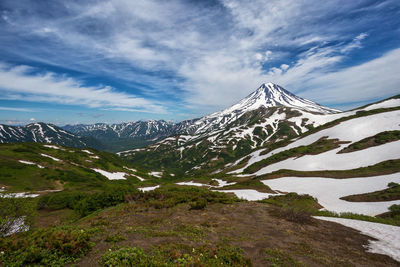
[{"x": 121, "y": 60}]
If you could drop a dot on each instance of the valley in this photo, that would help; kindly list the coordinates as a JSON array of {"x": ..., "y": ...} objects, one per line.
[{"x": 274, "y": 180}]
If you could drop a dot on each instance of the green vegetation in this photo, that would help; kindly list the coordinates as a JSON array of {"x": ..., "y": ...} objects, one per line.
[
  {"x": 249, "y": 184},
  {"x": 392, "y": 217},
  {"x": 13, "y": 212},
  {"x": 171, "y": 195},
  {"x": 277, "y": 257},
  {"x": 84, "y": 203},
  {"x": 183, "y": 231},
  {"x": 294, "y": 207},
  {"x": 178, "y": 255},
  {"x": 54, "y": 246},
  {"x": 115, "y": 238},
  {"x": 317, "y": 147},
  {"x": 389, "y": 194},
  {"x": 72, "y": 171},
  {"x": 295, "y": 201},
  {"x": 395, "y": 210},
  {"x": 376, "y": 140}
]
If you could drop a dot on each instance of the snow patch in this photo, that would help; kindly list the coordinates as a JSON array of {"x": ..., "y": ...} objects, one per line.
[
  {"x": 18, "y": 195},
  {"x": 149, "y": 188},
  {"x": 112, "y": 175},
  {"x": 328, "y": 191},
  {"x": 388, "y": 236},
  {"x": 351, "y": 130},
  {"x": 248, "y": 194},
  {"x": 48, "y": 156},
  {"x": 30, "y": 163},
  {"x": 53, "y": 147},
  {"x": 134, "y": 170},
  {"x": 156, "y": 174},
  {"x": 192, "y": 184}
]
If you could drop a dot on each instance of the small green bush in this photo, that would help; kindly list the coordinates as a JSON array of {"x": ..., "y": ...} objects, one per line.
[
  {"x": 277, "y": 257},
  {"x": 199, "y": 204},
  {"x": 126, "y": 257},
  {"x": 176, "y": 256},
  {"x": 61, "y": 200},
  {"x": 12, "y": 212},
  {"x": 395, "y": 210},
  {"x": 45, "y": 247},
  {"x": 115, "y": 238},
  {"x": 171, "y": 195}
]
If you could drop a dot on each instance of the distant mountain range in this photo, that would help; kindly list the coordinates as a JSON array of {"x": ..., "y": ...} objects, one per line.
[
  {"x": 138, "y": 134},
  {"x": 45, "y": 133},
  {"x": 267, "y": 115}
]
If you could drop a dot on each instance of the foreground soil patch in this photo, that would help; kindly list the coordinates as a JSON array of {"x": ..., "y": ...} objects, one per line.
[{"x": 266, "y": 239}]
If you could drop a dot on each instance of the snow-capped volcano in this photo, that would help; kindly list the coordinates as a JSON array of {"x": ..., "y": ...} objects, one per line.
[
  {"x": 273, "y": 95},
  {"x": 268, "y": 95}
]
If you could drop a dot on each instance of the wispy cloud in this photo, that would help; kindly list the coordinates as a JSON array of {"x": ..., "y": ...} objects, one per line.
[
  {"x": 17, "y": 109},
  {"x": 374, "y": 79},
  {"x": 21, "y": 83},
  {"x": 200, "y": 54}
]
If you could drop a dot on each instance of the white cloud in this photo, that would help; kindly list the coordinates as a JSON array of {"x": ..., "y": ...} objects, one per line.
[
  {"x": 32, "y": 119},
  {"x": 215, "y": 56},
  {"x": 374, "y": 79},
  {"x": 19, "y": 83},
  {"x": 356, "y": 43},
  {"x": 16, "y": 109}
]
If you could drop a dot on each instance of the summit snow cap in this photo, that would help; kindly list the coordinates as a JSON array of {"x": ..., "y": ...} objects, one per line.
[{"x": 273, "y": 95}]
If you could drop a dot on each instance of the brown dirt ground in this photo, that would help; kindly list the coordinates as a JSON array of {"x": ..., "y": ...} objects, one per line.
[{"x": 249, "y": 225}]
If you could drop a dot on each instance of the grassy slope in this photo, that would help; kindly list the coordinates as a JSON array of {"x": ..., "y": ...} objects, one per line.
[
  {"x": 234, "y": 234},
  {"x": 376, "y": 140},
  {"x": 388, "y": 194},
  {"x": 73, "y": 171}
]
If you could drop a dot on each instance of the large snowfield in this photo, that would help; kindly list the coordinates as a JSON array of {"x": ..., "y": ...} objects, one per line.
[
  {"x": 328, "y": 191},
  {"x": 388, "y": 236},
  {"x": 351, "y": 130}
]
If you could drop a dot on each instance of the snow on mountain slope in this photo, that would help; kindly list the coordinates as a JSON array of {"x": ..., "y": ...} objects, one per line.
[
  {"x": 390, "y": 103},
  {"x": 386, "y": 237},
  {"x": 316, "y": 120},
  {"x": 328, "y": 191},
  {"x": 272, "y": 95},
  {"x": 41, "y": 133},
  {"x": 149, "y": 129},
  {"x": 351, "y": 130},
  {"x": 268, "y": 115},
  {"x": 267, "y": 95}
]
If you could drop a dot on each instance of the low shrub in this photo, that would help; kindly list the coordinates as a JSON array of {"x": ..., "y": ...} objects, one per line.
[
  {"x": 60, "y": 200},
  {"x": 294, "y": 215},
  {"x": 84, "y": 203},
  {"x": 16, "y": 214},
  {"x": 176, "y": 255},
  {"x": 115, "y": 238},
  {"x": 171, "y": 195},
  {"x": 395, "y": 210},
  {"x": 97, "y": 201},
  {"x": 199, "y": 204},
  {"x": 277, "y": 257},
  {"x": 295, "y": 201},
  {"x": 45, "y": 247}
]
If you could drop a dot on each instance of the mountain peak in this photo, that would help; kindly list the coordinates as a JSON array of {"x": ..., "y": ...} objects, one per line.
[{"x": 273, "y": 95}]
